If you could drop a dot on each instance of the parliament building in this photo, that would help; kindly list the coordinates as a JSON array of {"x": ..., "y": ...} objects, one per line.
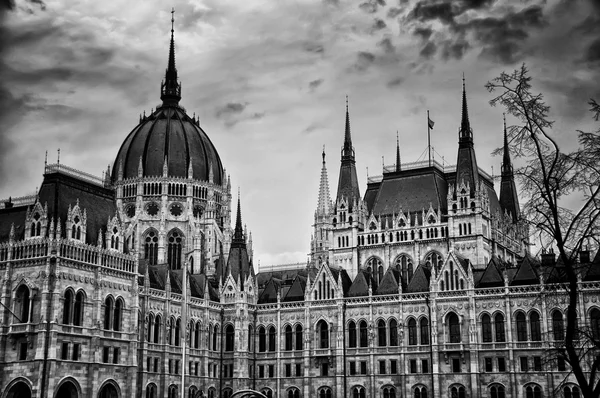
[{"x": 421, "y": 287}]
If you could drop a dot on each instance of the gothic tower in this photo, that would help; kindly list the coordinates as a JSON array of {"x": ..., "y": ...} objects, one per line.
[{"x": 319, "y": 245}]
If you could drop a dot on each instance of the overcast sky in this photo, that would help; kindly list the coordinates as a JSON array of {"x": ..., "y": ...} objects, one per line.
[{"x": 268, "y": 80}]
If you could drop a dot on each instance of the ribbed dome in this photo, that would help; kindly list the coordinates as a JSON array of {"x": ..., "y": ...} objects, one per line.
[{"x": 168, "y": 133}]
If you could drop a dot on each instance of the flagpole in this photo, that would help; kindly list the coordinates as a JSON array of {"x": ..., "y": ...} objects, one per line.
[{"x": 428, "y": 139}]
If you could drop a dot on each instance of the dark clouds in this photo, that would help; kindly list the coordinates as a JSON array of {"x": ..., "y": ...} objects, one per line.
[
  {"x": 395, "y": 82},
  {"x": 364, "y": 59},
  {"x": 229, "y": 109},
  {"x": 387, "y": 45},
  {"x": 314, "y": 84},
  {"x": 379, "y": 24},
  {"x": 233, "y": 113}
]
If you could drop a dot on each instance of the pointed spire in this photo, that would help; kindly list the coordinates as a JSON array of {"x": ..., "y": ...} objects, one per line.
[
  {"x": 324, "y": 203},
  {"x": 398, "y": 167},
  {"x": 238, "y": 234},
  {"x": 509, "y": 200},
  {"x": 465, "y": 127},
  {"x": 347, "y": 151},
  {"x": 170, "y": 88},
  {"x": 348, "y": 181},
  {"x": 506, "y": 163}
]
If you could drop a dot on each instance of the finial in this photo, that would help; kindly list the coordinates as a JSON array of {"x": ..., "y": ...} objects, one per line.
[
  {"x": 346, "y": 103},
  {"x": 46, "y": 160},
  {"x": 172, "y": 20},
  {"x": 58, "y": 160},
  {"x": 323, "y": 154},
  {"x": 397, "y": 152}
]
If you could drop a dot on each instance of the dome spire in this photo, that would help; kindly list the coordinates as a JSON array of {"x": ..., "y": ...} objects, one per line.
[
  {"x": 170, "y": 89},
  {"x": 238, "y": 234}
]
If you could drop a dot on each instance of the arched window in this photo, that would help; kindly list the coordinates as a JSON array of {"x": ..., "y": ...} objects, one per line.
[
  {"x": 533, "y": 391},
  {"x": 424, "y": 330},
  {"x": 293, "y": 393},
  {"x": 151, "y": 247},
  {"x": 499, "y": 326},
  {"x": 454, "y": 328},
  {"x": 420, "y": 392},
  {"x": 118, "y": 314},
  {"x": 215, "y": 336},
  {"x": 262, "y": 339},
  {"x": 434, "y": 261},
  {"x": 412, "y": 332},
  {"x": 373, "y": 264},
  {"x": 78, "y": 308},
  {"x": 364, "y": 339},
  {"x": 229, "y": 336},
  {"x": 352, "y": 334},
  {"x": 67, "y": 306},
  {"x": 151, "y": 391},
  {"x": 558, "y": 326},
  {"x": 381, "y": 333},
  {"x": 521, "y": 327},
  {"x": 192, "y": 392},
  {"x": 389, "y": 392},
  {"x": 325, "y": 392},
  {"x": 212, "y": 392},
  {"x": 289, "y": 337},
  {"x": 272, "y": 338},
  {"x": 172, "y": 391},
  {"x": 156, "y": 334},
  {"x": 250, "y": 339},
  {"x": 267, "y": 391},
  {"x": 571, "y": 391},
  {"x": 379, "y": 274},
  {"x": 358, "y": 392},
  {"x": 175, "y": 243},
  {"x": 595, "y": 323},
  {"x": 404, "y": 264},
  {"x": 497, "y": 391},
  {"x": 534, "y": 325},
  {"x": 393, "y": 332},
  {"x": 457, "y": 391},
  {"x": 108, "y": 312},
  {"x": 299, "y": 338},
  {"x": 197, "y": 332},
  {"x": 486, "y": 328},
  {"x": 323, "y": 333}
]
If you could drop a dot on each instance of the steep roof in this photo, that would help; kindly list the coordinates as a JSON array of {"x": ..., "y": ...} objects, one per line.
[
  {"x": 492, "y": 276},
  {"x": 10, "y": 216},
  {"x": 420, "y": 280},
  {"x": 360, "y": 285},
  {"x": 389, "y": 284},
  {"x": 526, "y": 273}
]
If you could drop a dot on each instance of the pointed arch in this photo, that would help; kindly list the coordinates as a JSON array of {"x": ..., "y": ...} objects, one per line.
[
  {"x": 150, "y": 239},
  {"x": 175, "y": 241}
]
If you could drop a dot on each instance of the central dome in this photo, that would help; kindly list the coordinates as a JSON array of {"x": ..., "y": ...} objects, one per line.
[{"x": 169, "y": 135}]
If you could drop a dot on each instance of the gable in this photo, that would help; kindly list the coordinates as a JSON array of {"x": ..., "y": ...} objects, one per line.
[
  {"x": 420, "y": 280},
  {"x": 389, "y": 283}
]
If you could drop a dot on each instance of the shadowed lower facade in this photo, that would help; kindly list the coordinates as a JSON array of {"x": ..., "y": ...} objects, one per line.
[{"x": 422, "y": 287}]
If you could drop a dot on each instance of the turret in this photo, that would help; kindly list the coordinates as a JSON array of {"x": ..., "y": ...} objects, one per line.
[
  {"x": 348, "y": 181},
  {"x": 467, "y": 172},
  {"x": 509, "y": 200}
]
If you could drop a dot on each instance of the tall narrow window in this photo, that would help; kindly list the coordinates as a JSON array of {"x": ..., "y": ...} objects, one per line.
[
  {"x": 499, "y": 326},
  {"x": 68, "y": 304},
  {"x": 486, "y": 328},
  {"x": 229, "y": 338},
  {"x": 595, "y": 323},
  {"x": 381, "y": 333},
  {"x": 558, "y": 326},
  {"x": 175, "y": 242},
  {"x": 323, "y": 332},
  {"x": 299, "y": 338},
  {"x": 521, "y": 327},
  {"x": 412, "y": 332},
  {"x": 352, "y": 334},
  {"x": 118, "y": 314},
  {"x": 78, "y": 309},
  {"x": 534, "y": 324},
  {"x": 108, "y": 312},
  {"x": 156, "y": 334},
  {"x": 424, "y": 326},
  {"x": 262, "y": 339},
  {"x": 272, "y": 338},
  {"x": 497, "y": 391},
  {"x": 151, "y": 247},
  {"x": 364, "y": 338},
  {"x": 393, "y": 333},
  {"x": 454, "y": 328},
  {"x": 288, "y": 338}
]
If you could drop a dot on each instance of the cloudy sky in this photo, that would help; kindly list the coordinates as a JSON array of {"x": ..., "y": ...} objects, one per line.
[{"x": 268, "y": 80}]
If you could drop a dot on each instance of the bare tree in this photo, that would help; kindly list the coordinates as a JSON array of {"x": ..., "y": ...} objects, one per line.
[{"x": 562, "y": 203}]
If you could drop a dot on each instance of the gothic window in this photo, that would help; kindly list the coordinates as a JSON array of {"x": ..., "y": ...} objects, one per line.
[
  {"x": 412, "y": 332},
  {"x": 288, "y": 338},
  {"x": 404, "y": 264},
  {"x": 595, "y": 323},
  {"x": 393, "y": 333},
  {"x": 151, "y": 247},
  {"x": 364, "y": 339},
  {"x": 389, "y": 392},
  {"x": 272, "y": 338},
  {"x": 457, "y": 391},
  {"x": 114, "y": 239},
  {"x": 424, "y": 330},
  {"x": 486, "y": 328},
  {"x": 299, "y": 338},
  {"x": 192, "y": 391},
  {"x": 118, "y": 314},
  {"x": 571, "y": 391},
  {"x": 434, "y": 261},
  {"x": 76, "y": 228},
  {"x": 108, "y": 312},
  {"x": 325, "y": 392},
  {"x": 174, "y": 246},
  {"x": 533, "y": 391},
  {"x": 521, "y": 327},
  {"x": 227, "y": 393},
  {"x": 420, "y": 392},
  {"x": 172, "y": 391},
  {"x": 558, "y": 326},
  {"x": 499, "y": 326},
  {"x": 36, "y": 225},
  {"x": 379, "y": 274},
  {"x": 250, "y": 339},
  {"x": 534, "y": 325},
  {"x": 453, "y": 328},
  {"x": 293, "y": 393},
  {"x": 149, "y": 328},
  {"x": 497, "y": 391},
  {"x": 229, "y": 337},
  {"x": 373, "y": 264},
  {"x": 156, "y": 334},
  {"x": 215, "y": 337},
  {"x": 262, "y": 339},
  {"x": 352, "y": 334},
  {"x": 67, "y": 307},
  {"x": 212, "y": 392},
  {"x": 381, "y": 333},
  {"x": 372, "y": 226},
  {"x": 323, "y": 334},
  {"x": 358, "y": 392},
  {"x": 151, "y": 391}
]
